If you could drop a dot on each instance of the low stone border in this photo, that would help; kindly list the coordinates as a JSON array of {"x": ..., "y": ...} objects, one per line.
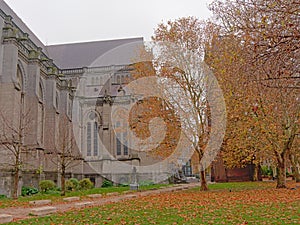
[
  {"x": 5, "y": 218},
  {"x": 112, "y": 194},
  {"x": 40, "y": 202},
  {"x": 71, "y": 199},
  {"x": 95, "y": 196},
  {"x": 83, "y": 204},
  {"x": 42, "y": 211}
]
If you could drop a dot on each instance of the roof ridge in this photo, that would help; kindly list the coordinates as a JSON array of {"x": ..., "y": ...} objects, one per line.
[{"x": 96, "y": 41}]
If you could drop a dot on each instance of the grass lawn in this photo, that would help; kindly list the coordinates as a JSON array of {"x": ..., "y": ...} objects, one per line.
[
  {"x": 230, "y": 203},
  {"x": 55, "y": 196}
]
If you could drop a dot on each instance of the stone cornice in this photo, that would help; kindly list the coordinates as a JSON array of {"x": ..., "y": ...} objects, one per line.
[{"x": 13, "y": 34}]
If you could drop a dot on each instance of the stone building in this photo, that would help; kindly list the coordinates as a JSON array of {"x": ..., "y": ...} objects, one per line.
[
  {"x": 72, "y": 96},
  {"x": 42, "y": 87}
]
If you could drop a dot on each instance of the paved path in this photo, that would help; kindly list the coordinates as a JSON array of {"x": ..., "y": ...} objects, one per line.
[{"x": 20, "y": 213}]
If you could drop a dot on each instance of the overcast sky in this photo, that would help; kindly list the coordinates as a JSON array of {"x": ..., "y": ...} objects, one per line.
[{"x": 63, "y": 21}]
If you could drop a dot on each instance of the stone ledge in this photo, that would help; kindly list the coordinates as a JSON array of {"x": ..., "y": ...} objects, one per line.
[
  {"x": 40, "y": 202},
  {"x": 83, "y": 204},
  {"x": 112, "y": 194},
  {"x": 94, "y": 196},
  {"x": 5, "y": 218},
  {"x": 42, "y": 211},
  {"x": 71, "y": 199},
  {"x": 130, "y": 196},
  {"x": 164, "y": 191}
]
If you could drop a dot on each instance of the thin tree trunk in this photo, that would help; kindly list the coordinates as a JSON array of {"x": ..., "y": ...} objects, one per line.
[
  {"x": 63, "y": 185},
  {"x": 16, "y": 184},
  {"x": 203, "y": 186},
  {"x": 255, "y": 173},
  {"x": 295, "y": 170}
]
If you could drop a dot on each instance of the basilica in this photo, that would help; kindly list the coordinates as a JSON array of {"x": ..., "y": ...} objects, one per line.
[
  {"x": 48, "y": 90},
  {"x": 64, "y": 113}
]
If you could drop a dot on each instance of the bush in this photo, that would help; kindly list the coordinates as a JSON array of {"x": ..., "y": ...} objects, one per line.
[
  {"x": 47, "y": 185},
  {"x": 85, "y": 184},
  {"x": 3, "y": 196},
  {"x": 266, "y": 171},
  {"x": 123, "y": 185},
  {"x": 72, "y": 184},
  {"x": 146, "y": 183},
  {"x": 27, "y": 191},
  {"x": 107, "y": 183}
]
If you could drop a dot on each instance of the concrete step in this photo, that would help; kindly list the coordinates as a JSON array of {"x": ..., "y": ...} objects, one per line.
[
  {"x": 83, "y": 204},
  {"x": 131, "y": 196},
  {"x": 94, "y": 196},
  {"x": 40, "y": 202},
  {"x": 112, "y": 194},
  {"x": 42, "y": 211},
  {"x": 71, "y": 199},
  {"x": 5, "y": 218}
]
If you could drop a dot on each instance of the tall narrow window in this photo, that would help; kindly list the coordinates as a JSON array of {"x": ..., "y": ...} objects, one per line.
[
  {"x": 20, "y": 89},
  {"x": 57, "y": 101},
  {"x": 92, "y": 135},
  {"x": 70, "y": 105},
  {"x": 121, "y": 139},
  {"x": 40, "y": 115},
  {"x": 119, "y": 145},
  {"x": 125, "y": 143},
  {"x": 89, "y": 140},
  {"x": 95, "y": 139}
]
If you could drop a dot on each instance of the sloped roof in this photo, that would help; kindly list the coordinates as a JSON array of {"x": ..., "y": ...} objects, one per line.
[
  {"x": 96, "y": 53},
  {"x": 8, "y": 11},
  {"x": 86, "y": 54}
]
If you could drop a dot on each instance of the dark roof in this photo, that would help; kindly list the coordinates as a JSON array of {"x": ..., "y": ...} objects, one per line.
[
  {"x": 96, "y": 53},
  {"x": 8, "y": 11}
]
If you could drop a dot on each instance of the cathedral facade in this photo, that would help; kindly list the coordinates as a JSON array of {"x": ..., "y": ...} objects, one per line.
[{"x": 45, "y": 90}]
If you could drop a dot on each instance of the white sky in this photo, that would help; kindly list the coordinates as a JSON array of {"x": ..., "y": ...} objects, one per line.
[{"x": 65, "y": 21}]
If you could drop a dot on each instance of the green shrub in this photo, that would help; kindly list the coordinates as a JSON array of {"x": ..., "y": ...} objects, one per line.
[
  {"x": 72, "y": 184},
  {"x": 123, "y": 185},
  {"x": 107, "y": 183},
  {"x": 146, "y": 183},
  {"x": 266, "y": 171},
  {"x": 27, "y": 191},
  {"x": 85, "y": 184},
  {"x": 3, "y": 196},
  {"x": 47, "y": 185}
]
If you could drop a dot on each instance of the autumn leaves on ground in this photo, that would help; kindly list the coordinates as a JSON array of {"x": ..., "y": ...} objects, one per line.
[{"x": 227, "y": 203}]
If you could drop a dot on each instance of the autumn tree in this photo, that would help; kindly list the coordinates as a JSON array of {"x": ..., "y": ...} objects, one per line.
[
  {"x": 269, "y": 33},
  {"x": 186, "y": 81},
  {"x": 151, "y": 107},
  {"x": 242, "y": 144},
  {"x": 66, "y": 154}
]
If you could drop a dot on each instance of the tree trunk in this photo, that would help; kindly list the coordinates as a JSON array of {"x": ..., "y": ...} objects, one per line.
[
  {"x": 295, "y": 170},
  {"x": 255, "y": 173},
  {"x": 63, "y": 185},
  {"x": 16, "y": 184},
  {"x": 203, "y": 186},
  {"x": 281, "y": 176}
]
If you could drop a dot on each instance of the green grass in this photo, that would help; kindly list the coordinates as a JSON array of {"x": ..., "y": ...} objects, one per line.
[
  {"x": 240, "y": 186},
  {"x": 55, "y": 196},
  {"x": 247, "y": 203}
]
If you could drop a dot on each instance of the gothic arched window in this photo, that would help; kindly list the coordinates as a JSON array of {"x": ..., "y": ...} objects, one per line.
[
  {"x": 40, "y": 115},
  {"x": 57, "y": 101},
  {"x": 20, "y": 86},
  {"x": 121, "y": 134},
  {"x": 92, "y": 135}
]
